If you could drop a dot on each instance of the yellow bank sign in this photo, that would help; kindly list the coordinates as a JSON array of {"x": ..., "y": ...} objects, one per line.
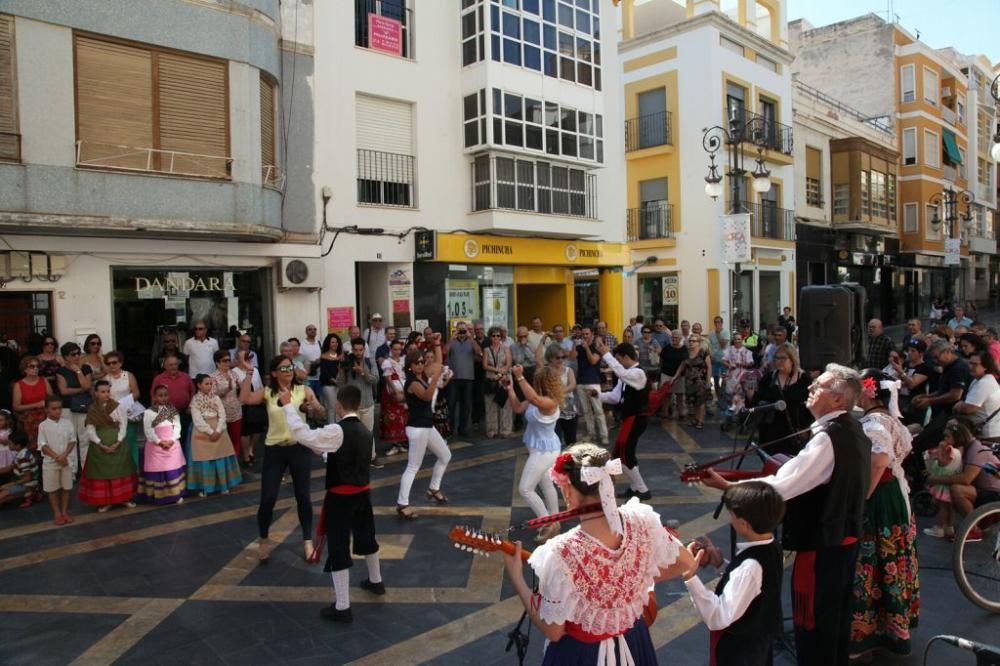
[{"x": 466, "y": 248}]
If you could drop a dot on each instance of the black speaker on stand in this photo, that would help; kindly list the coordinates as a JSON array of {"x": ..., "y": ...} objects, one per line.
[{"x": 832, "y": 326}]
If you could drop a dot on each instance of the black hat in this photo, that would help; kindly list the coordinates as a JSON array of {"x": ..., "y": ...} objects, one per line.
[{"x": 918, "y": 344}]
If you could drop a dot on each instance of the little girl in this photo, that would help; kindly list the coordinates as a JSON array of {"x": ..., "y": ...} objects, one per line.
[{"x": 945, "y": 460}]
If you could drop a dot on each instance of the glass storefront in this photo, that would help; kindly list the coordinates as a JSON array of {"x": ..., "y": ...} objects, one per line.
[
  {"x": 587, "y": 300},
  {"x": 446, "y": 293},
  {"x": 659, "y": 297},
  {"x": 151, "y": 301}
]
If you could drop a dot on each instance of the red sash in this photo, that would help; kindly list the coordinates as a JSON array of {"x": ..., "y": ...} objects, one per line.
[{"x": 343, "y": 489}]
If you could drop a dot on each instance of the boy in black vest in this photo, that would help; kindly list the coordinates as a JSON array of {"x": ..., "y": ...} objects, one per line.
[
  {"x": 347, "y": 508},
  {"x": 744, "y": 614}
]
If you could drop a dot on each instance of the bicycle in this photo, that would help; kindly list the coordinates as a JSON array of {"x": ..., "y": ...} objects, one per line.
[{"x": 976, "y": 563}]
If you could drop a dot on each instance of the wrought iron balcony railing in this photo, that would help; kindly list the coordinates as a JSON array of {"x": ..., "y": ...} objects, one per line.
[
  {"x": 746, "y": 126},
  {"x": 653, "y": 220},
  {"x": 769, "y": 221},
  {"x": 386, "y": 179},
  {"x": 648, "y": 131}
]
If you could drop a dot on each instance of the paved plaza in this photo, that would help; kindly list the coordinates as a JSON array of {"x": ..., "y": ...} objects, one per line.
[{"x": 181, "y": 584}]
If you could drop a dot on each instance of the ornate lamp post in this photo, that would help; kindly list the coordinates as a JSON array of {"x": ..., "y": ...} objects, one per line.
[
  {"x": 948, "y": 200},
  {"x": 735, "y": 138}
]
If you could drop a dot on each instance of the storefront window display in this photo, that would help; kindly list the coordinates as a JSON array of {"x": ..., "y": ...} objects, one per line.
[
  {"x": 659, "y": 297},
  {"x": 445, "y": 294}
]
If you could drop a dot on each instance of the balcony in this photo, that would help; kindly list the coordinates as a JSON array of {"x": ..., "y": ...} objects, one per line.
[
  {"x": 653, "y": 221},
  {"x": 768, "y": 221},
  {"x": 10, "y": 146},
  {"x": 532, "y": 186},
  {"x": 746, "y": 126},
  {"x": 648, "y": 131},
  {"x": 385, "y": 41},
  {"x": 983, "y": 193},
  {"x": 96, "y": 155},
  {"x": 950, "y": 174},
  {"x": 949, "y": 116},
  {"x": 386, "y": 179}
]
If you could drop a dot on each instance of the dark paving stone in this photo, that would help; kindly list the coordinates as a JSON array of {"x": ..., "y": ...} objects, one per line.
[{"x": 50, "y": 638}]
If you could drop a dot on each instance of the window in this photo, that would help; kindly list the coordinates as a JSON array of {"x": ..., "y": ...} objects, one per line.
[
  {"x": 142, "y": 109},
  {"x": 386, "y": 165},
  {"x": 735, "y": 103},
  {"x": 907, "y": 83},
  {"x": 524, "y": 122},
  {"x": 731, "y": 45},
  {"x": 911, "y": 222},
  {"x": 534, "y": 186},
  {"x": 10, "y": 140},
  {"x": 767, "y": 63},
  {"x": 473, "y": 32},
  {"x": 556, "y": 37},
  {"x": 391, "y": 11},
  {"x": 932, "y": 149},
  {"x": 932, "y": 231},
  {"x": 270, "y": 174},
  {"x": 866, "y": 202},
  {"x": 890, "y": 193},
  {"x": 814, "y": 177},
  {"x": 910, "y": 145},
  {"x": 650, "y": 128},
  {"x": 983, "y": 173},
  {"x": 878, "y": 194},
  {"x": 931, "y": 90},
  {"x": 841, "y": 199},
  {"x": 474, "y": 114}
]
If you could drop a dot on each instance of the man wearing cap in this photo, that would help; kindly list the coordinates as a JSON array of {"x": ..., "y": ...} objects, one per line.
[{"x": 374, "y": 335}]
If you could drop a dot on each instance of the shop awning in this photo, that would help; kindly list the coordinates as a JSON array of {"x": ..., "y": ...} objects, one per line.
[{"x": 951, "y": 147}]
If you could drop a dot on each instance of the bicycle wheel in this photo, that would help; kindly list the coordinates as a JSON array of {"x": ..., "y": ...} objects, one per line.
[{"x": 976, "y": 564}]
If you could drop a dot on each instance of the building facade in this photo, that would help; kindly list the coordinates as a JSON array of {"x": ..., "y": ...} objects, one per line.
[
  {"x": 883, "y": 70},
  {"x": 686, "y": 68},
  {"x": 145, "y": 176},
  {"x": 469, "y": 161}
]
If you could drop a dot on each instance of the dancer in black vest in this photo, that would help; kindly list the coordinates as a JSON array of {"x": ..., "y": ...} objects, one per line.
[
  {"x": 631, "y": 393},
  {"x": 744, "y": 613},
  {"x": 347, "y": 507},
  {"x": 825, "y": 487}
]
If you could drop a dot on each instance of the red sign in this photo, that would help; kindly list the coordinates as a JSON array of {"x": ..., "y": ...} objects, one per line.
[
  {"x": 340, "y": 318},
  {"x": 385, "y": 34},
  {"x": 400, "y": 306}
]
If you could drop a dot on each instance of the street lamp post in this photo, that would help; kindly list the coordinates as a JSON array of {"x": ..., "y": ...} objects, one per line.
[
  {"x": 949, "y": 201},
  {"x": 735, "y": 137}
]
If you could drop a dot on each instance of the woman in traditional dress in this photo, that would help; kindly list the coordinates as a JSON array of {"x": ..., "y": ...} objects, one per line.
[
  {"x": 162, "y": 480},
  {"x": 226, "y": 386},
  {"x": 594, "y": 580},
  {"x": 392, "y": 426},
  {"x": 886, "y": 602},
  {"x": 542, "y": 398},
  {"x": 125, "y": 391},
  {"x": 109, "y": 474},
  {"x": 28, "y": 399},
  {"x": 329, "y": 368},
  {"x": 214, "y": 467}
]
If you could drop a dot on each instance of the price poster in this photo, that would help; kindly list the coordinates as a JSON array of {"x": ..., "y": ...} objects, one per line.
[
  {"x": 462, "y": 299},
  {"x": 671, "y": 290},
  {"x": 495, "y": 306}
]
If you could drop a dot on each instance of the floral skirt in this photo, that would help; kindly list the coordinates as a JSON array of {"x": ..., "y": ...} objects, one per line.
[
  {"x": 696, "y": 392},
  {"x": 393, "y": 425},
  {"x": 886, "y": 604},
  {"x": 102, "y": 492},
  {"x": 213, "y": 476},
  {"x": 161, "y": 487}
]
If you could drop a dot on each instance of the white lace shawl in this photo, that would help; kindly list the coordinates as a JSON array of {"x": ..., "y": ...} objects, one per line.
[{"x": 604, "y": 591}]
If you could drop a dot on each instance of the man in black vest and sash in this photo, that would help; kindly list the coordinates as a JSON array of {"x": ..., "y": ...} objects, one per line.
[
  {"x": 824, "y": 487},
  {"x": 347, "y": 507},
  {"x": 631, "y": 393}
]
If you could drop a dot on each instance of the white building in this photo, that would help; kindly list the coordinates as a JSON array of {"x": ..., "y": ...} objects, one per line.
[
  {"x": 688, "y": 66},
  {"x": 490, "y": 134}
]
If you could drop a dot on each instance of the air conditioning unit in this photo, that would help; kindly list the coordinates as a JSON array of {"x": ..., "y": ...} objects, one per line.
[
  {"x": 300, "y": 273},
  {"x": 946, "y": 91},
  {"x": 20, "y": 265}
]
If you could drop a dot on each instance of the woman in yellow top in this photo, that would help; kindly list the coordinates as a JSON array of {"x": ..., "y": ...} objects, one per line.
[{"x": 281, "y": 451}]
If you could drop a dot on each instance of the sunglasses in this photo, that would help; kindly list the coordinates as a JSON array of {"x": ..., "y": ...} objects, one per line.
[
  {"x": 495, "y": 335},
  {"x": 75, "y": 353},
  {"x": 199, "y": 328},
  {"x": 286, "y": 368},
  {"x": 49, "y": 342},
  {"x": 31, "y": 366},
  {"x": 420, "y": 362},
  {"x": 113, "y": 362},
  {"x": 95, "y": 343}
]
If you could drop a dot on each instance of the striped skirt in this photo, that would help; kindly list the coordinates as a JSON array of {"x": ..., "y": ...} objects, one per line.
[
  {"x": 213, "y": 476},
  {"x": 162, "y": 487},
  {"x": 102, "y": 492}
]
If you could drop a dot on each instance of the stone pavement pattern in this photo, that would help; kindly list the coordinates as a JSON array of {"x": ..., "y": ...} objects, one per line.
[{"x": 181, "y": 584}]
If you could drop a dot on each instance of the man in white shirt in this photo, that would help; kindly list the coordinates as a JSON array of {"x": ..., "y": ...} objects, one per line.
[
  {"x": 310, "y": 351},
  {"x": 982, "y": 400},
  {"x": 959, "y": 319},
  {"x": 200, "y": 350},
  {"x": 537, "y": 334},
  {"x": 374, "y": 336}
]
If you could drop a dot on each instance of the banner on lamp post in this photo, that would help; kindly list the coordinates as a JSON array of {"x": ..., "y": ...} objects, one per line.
[
  {"x": 952, "y": 251},
  {"x": 735, "y": 238}
]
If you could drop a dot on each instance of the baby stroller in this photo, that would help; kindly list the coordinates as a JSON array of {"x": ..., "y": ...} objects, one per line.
[{"x": 740, "y": 387}]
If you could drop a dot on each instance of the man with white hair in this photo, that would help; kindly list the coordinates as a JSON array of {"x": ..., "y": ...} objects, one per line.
[{"x": 825, "y": 487}]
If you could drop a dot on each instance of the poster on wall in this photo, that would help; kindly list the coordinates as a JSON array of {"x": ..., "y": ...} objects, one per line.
[
  {"x": 462, "y": 299},
  {"x": 340, "y": 319},
  {"x": 735, "y": 238},
  {"x": 671, "y": 290},
  {"x": 495, "y": 307},
  {"x": 952, "y": 251},
  {"x": 400, "y": 292}
]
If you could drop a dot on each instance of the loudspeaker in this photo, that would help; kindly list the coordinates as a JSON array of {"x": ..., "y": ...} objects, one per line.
[{"x": 831, "y": 325}]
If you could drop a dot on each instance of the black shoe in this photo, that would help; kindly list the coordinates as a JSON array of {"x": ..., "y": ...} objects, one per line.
[
  {"x": 331, "y": 613},
  {"x": 643, "y": 496},
  {"x": 374, "y": 588},
  {"x": 377, "y": 464},
  {"x": 625, "y": 494}
]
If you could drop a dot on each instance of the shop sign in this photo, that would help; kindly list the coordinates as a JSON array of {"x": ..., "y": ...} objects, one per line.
[
  {"x": 462, "y": 299},
  {"x": 526, "y": 251},
  {"x": 181, "y": 285},
  {"x": 735, "y": 238},
  {"x": 340, "y": 318},
  {"x": 425, "y": 245},
  {"x": 385, "y": 34},
  {"x": 399, "y": 296},
  {"x": 495, "y": 306},
  {"x": 952, "y": 251},
  {"x": 671, "y": 290}
]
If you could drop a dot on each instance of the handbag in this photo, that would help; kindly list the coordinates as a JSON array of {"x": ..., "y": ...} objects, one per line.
[
  {"x": 499, "y": 395},
  {"x": 977, "y": 429}
]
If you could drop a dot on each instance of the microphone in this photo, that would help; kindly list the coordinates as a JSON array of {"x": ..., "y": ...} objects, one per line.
[
  {"x": 776, "y": 406},
  {"x": 974, "y": 646}
]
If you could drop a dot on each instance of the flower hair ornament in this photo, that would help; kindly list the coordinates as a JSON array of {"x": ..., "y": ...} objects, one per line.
[
  {"x": 606, "y": 488},
  {"x": 868, "y": 387},
  {"x": 560, "y": 472}
]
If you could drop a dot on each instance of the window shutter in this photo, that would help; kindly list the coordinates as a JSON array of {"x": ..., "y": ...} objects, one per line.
[
  {"x": 384, "y": 125},
  {"x": 9, "y": 145},
  {"x": 114, "y": 104},
  {"x": 813, "y": 159},
  {"x": 268, "y": 160},
  {"x": 193, "y": 112}
]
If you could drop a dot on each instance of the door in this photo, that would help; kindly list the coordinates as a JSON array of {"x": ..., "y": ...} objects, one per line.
[
  {"x": 770, "y": 297},
  {"x": 652, "y": 126},
  {"x": 653, "y": 217},
  {"x": 742, "y": 296},
  {"x": 25, "y": 316},
  {"x": 735, "y": 108},
  {"x": 769, "y": 117},
  {"x": 769, "y": 219}
]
